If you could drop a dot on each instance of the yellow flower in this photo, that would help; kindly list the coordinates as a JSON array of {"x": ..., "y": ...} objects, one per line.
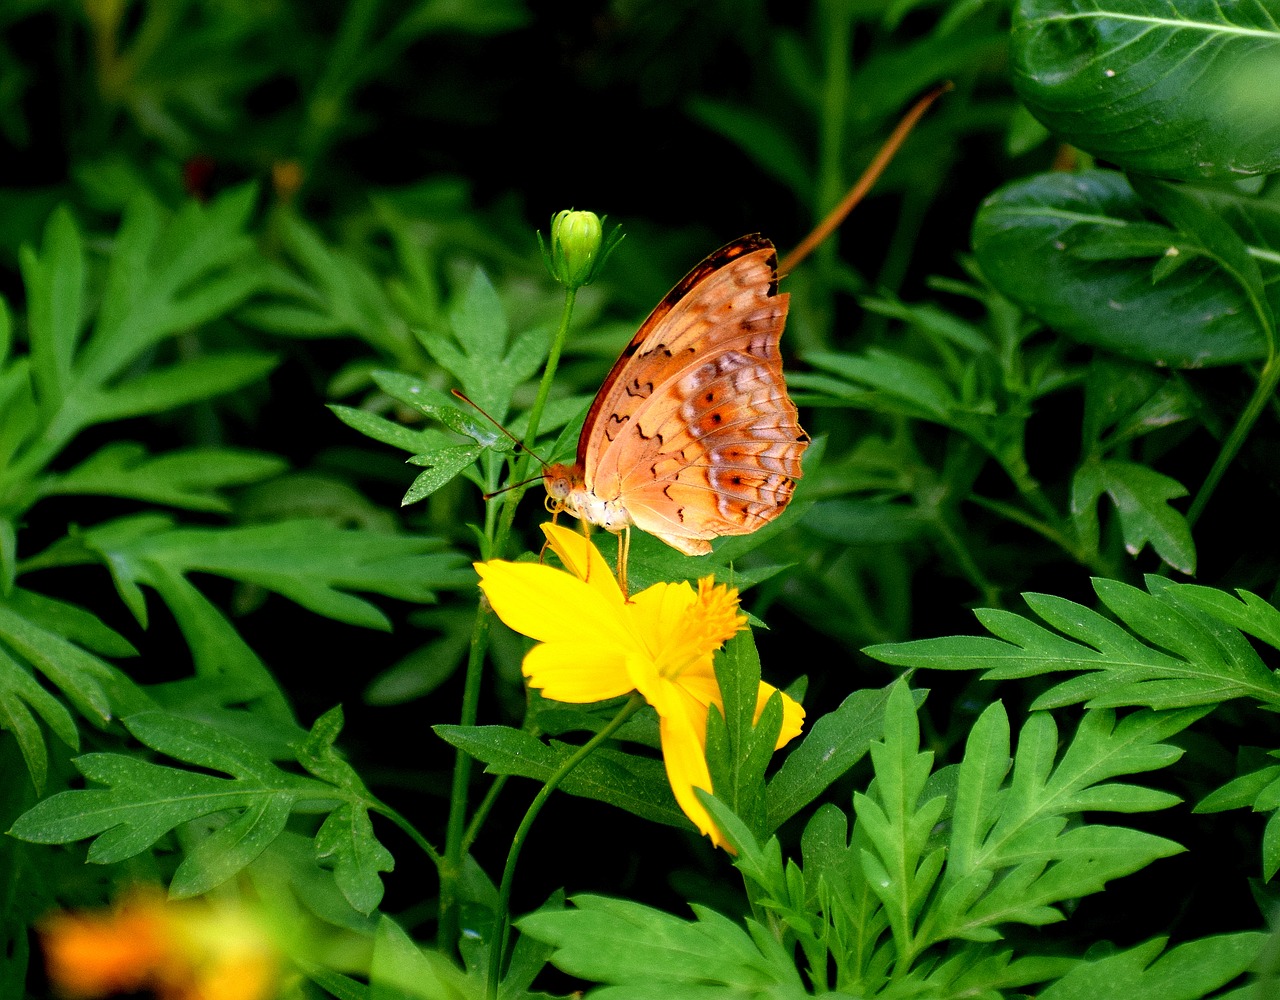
[
  {"x": 595, "y": 644},
  {"x": 176, "y": 951}
]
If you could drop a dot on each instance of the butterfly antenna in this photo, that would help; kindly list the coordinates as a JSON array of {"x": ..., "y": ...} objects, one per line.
[
  {"x": 510, "y": 486},
  {"x": 520, "y": 445},
  {"x": 864, "y": 183}
]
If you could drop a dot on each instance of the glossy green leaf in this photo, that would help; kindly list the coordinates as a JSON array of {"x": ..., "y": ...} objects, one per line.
[
  {"x": 1036, "y": 241},
  {"x": 1180, "y": 89}
]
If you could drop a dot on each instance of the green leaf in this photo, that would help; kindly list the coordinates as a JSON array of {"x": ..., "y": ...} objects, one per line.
[
  {"x": 478, "y": 355},
  {"x": 54, "y": 279},
  {"x": 760, "y": 139},
  {"x": 635, "y": 948},
  {"x": 33, "y": 631},
  {"x": 1189, "y": 658},
  {"x": 1141, "y": 497},
  {"x": 903, "y": 865},
  {"x": 401, "y": 970},
  {"x": 388, "y": 431},
  {"x": 1195, "y": 216},
  {"x": 144, "y": 801},
  {"x": 441, "y": 466},
  {"x": 1179, "y": 89},
  {"x": 637, "y": 784},
  {"x": 1148, "y": 972},
  {"x": 169, "y": 274},
  {"x": 1026, "y": 237},
  {"x": 347, "y": 837},
  {"x": 439, "y": 406},
  {"x": 19, "y": 693},
  {"x": 1012, "y": 853},
  {"x": 177, "y": 385},
  {"x": 739, "y": 747},
  {"x": 834, "y": 743},
  {"x": 334, "y": 294},
  {"x": 193, "y": 478},
  {"x": 311, "y": 562}
]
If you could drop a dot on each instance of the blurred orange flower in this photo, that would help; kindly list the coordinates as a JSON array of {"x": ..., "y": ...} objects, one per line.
[{"x": 196, "y": 950}]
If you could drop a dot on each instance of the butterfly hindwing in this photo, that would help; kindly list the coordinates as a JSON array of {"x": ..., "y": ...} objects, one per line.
[{"x": 693, "y": 430}]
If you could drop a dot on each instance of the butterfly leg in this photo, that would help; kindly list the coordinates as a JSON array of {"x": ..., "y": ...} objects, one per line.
[{"x": 624, "y": 550}]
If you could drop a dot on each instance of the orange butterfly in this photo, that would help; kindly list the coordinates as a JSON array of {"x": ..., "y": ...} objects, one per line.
[{"x": 693, "y": 435}]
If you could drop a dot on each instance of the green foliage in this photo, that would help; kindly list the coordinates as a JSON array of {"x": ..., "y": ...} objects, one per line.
[
  {"x": 929, "y": 862},
  {"x": 1044, "y": 353},
  {"x": 144, "y": 801}
]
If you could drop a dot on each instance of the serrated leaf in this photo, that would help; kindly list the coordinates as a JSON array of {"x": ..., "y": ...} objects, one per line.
[
  {"x": 634, "y": 948},
  {"x": 1141, "y": 497},
  {"x": 834, "y": 743},
  {"x": 388, "y": 431},
  {"x": 1197, "y": 669},
  {"x": 442, "y": 466},
  {"x": 311, "y": 562},
  {"x": 192, "y": 478},
  {"x": 1148, "y": 972},
  {"x": 144, "y": 801}
]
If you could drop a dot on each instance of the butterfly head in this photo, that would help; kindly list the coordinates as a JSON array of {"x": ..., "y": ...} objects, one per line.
[
  {"x": 558, "y": 479},
  {"x": 568, "y": 493}
]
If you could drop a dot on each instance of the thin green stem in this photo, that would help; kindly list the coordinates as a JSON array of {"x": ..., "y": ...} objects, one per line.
[
  {"x": 498, "y": 947},
  {"x": 451, "y": 869},
  {"x": 482, "y": 811},
  {"x": 535, "y": 420},
  {"x": 1267, "y": 383},
  {"x": 380, "y": 807},
  {"x": 457, "y": 836}
]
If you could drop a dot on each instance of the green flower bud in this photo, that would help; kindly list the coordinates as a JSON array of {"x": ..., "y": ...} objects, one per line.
[{"x": 578, "y": 247}]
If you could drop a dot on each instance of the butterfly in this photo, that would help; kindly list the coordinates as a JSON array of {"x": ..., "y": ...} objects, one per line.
[{"x": 692, "y": 435}]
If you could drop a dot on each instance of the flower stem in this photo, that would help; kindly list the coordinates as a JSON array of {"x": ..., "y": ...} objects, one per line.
[
  {"x": 380, "y": 807},
  {"x": 498, "y": 946},
  {"x": 1267, "y": 382},
  {"x": 457, "y": 837},
  {"x": 535, "y": 419}
]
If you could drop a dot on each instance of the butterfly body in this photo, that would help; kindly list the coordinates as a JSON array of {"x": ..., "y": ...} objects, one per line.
[{"x": 693, "y": 436}]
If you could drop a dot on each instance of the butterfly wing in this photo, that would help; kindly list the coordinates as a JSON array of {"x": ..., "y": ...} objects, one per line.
[{"x": 693, "y": 431}]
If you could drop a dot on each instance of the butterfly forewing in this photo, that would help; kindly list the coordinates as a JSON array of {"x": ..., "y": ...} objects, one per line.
[{"x": 693, "y": 431}]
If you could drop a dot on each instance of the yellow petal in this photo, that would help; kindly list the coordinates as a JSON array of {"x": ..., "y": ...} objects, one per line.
[
  {"x": 682, "y": 731},
  {"x": 578, "y": 671},
  {"x": 581, "y": 558},
  {"x": 792, "y": 714},
  {"x": 547, "y": 604}
]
